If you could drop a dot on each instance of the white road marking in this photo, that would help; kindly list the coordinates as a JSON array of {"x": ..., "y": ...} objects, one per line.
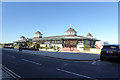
[
  {"x": 99, "y": 60},
  {"x": 93, "y": 62},
  {"x": 14, "y": 75},
  {"x": 31, "y": 61},
  {"x": 81, "y": 61},
  {"x": 11, "y": 56},
  {"x": 75, "y": 74},
  {"x": 66, "y": 64}
]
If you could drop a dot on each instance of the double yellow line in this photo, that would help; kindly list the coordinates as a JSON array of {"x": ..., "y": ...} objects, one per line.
[{"x": 11, "y": 73}]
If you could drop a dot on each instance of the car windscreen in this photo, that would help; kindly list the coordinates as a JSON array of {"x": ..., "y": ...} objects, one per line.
[{"x": 111, "y": 47}]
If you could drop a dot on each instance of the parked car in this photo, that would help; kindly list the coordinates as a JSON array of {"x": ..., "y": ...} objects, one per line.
[{"x": 110, "y": 51}]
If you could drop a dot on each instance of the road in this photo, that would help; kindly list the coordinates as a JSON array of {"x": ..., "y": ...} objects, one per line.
[{"x": 30, "y": 66}]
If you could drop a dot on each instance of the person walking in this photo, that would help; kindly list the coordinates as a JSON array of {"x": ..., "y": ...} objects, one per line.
[{"x": 20, "y": 48}]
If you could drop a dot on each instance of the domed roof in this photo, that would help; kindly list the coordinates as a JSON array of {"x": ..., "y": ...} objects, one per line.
[
  {"x": 38, "y": 32},
  {"x": 22, "y": 37},
  {"x": 71, "y": 30},
  {"x": 89, "y": 35}
]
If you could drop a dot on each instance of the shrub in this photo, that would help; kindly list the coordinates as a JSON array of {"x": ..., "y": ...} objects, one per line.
[
  {"x": 46, "y": 47},
  {"x": 36, "y": 45},
  {"x": 41, "y": 47},
  {"x": 54, "y": 48},
  {"x": 58, "y": 47},
  {"x": 51, "y": 47},
  {"x": 16, "y": 46},
  {"x": 86, "y": 47}
]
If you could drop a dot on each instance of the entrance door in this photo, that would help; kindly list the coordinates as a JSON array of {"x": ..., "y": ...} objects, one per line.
[
  {"x": 67, "y": 43},
  {"x": 73, "y": 43},
  {"x": 70, "y": 43}
]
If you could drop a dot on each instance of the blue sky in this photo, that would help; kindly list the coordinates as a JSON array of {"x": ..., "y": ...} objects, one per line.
[{"x": 54, "y": 18}]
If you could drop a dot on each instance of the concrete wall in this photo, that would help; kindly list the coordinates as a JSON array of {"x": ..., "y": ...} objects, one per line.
[
  {"x": 95, "y": 50},
  {"x": 43, "y": 45},
  {"x": 80, "y": 47},
  {"x": 60, "y": 45},
  {"x": 92, "y": 50},
  {"x": 46, "y": 50}
]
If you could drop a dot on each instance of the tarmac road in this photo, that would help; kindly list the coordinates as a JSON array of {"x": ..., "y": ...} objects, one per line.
[{"x": 29, "y": 66}]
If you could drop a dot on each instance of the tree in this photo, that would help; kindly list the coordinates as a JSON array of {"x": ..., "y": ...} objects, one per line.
[
  {"x": 46, "y": 47},
  {"x": 16, "y": 46},
  {"x": 37, "y": 45},
  {"x": 58, "y": 48},
  {"x": 86, "y": 47}
]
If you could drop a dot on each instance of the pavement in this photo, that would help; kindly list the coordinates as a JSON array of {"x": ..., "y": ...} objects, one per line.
[{"x": 62, "y": 55}]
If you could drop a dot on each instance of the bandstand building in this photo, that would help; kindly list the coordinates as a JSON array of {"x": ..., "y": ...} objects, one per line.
[{"x": 70, "y": 39}]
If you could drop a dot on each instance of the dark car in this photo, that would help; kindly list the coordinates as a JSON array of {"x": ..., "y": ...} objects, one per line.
[{"x": 110, "y": 51}]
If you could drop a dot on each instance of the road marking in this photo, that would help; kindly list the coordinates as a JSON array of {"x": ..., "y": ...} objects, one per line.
[
  {"x": 65, "y": 64},
  {"x": 75, "y": 74},
  {"x": 31, "y": 61},
  {"x": 93, "y": 62},
  {"x": 11, "y": 73},
  {"x": 83, "y": 61},
  {"x": 11, "y": 56},
  {"x": 99, "y": 60}
]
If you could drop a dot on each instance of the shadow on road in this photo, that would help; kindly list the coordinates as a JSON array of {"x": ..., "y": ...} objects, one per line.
[{"x": 114, "y": 60}]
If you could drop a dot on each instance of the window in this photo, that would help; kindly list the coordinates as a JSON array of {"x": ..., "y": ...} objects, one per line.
[
  {"x": 80, "y": 42},
  {"x": 58, "y": 42},
  {"x": 46, "y": 42},
  {"x": 111, "y": 47},
  {"x": 52, "y": 42}
]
